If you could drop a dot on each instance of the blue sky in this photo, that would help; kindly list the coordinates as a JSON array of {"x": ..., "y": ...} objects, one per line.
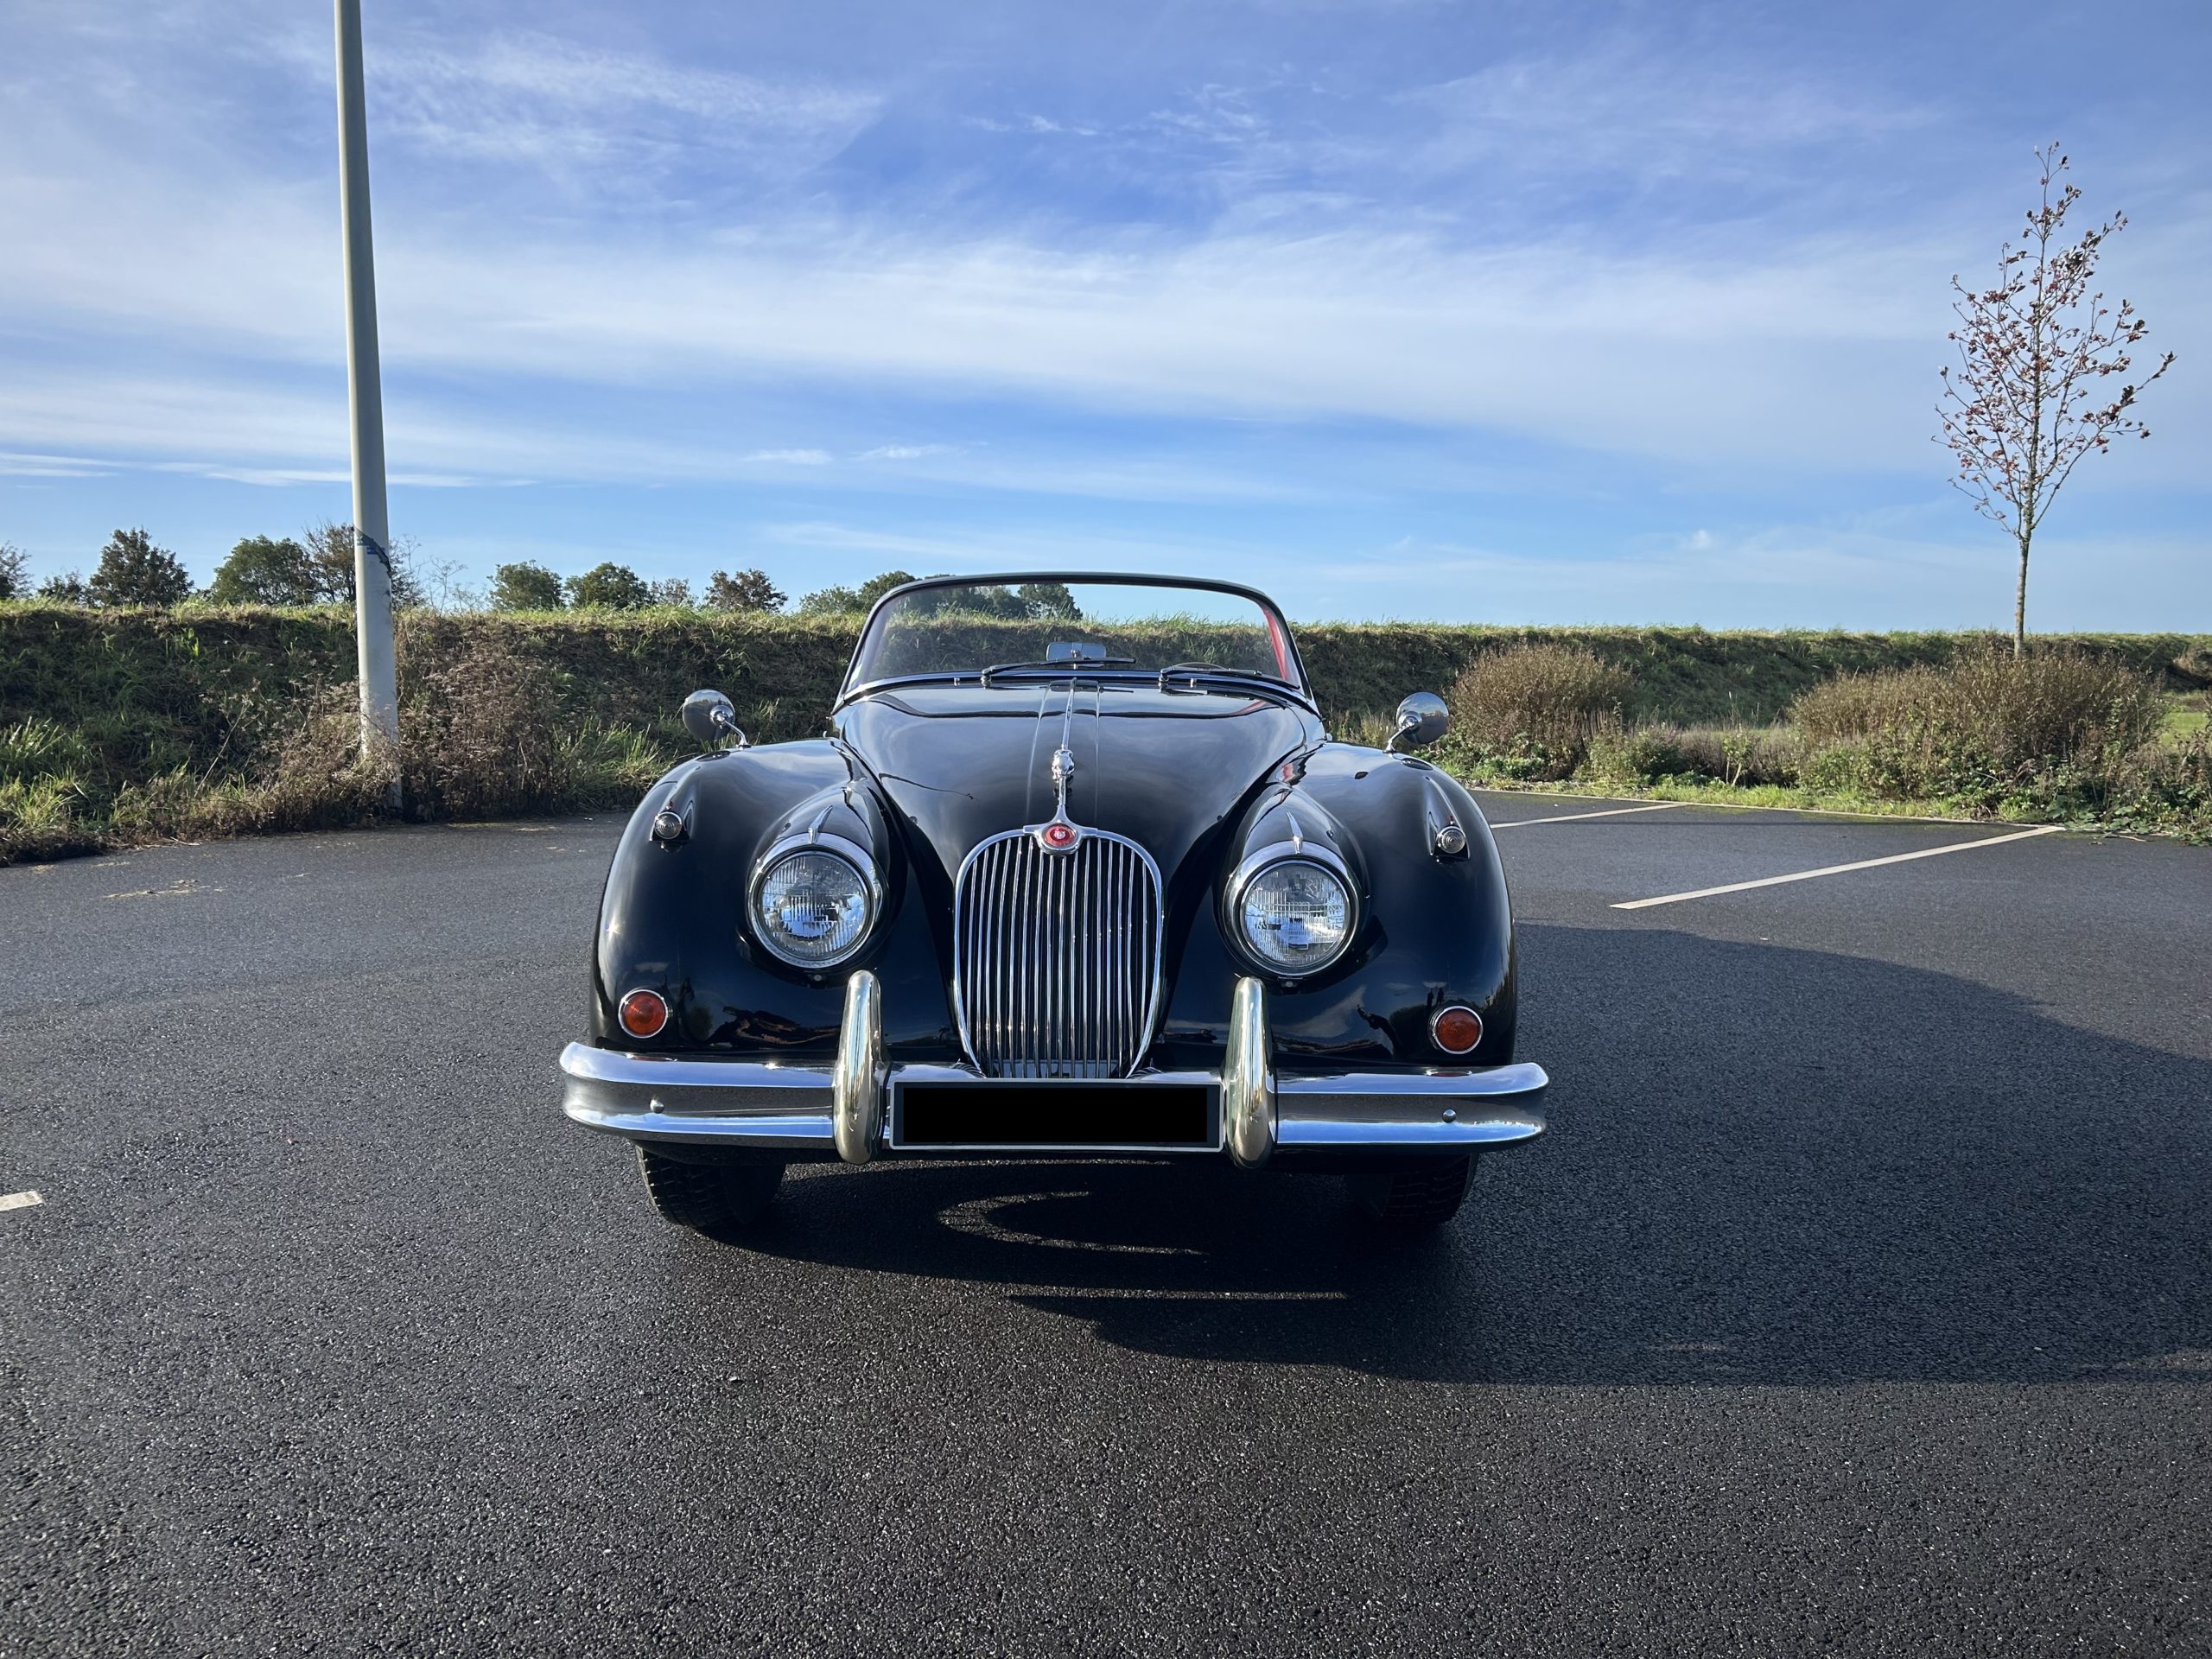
[{"x": 1513, "y": 312}]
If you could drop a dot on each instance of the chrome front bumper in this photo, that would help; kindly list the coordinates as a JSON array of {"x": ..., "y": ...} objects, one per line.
[{"x": 844, "y": 1106}]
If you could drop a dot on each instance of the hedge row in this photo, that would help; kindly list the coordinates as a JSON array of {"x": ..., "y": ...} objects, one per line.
[{"x": 144, "y": 693}]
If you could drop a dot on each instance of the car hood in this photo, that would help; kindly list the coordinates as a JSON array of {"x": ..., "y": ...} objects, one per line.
[{"x": 960, "y": 764}]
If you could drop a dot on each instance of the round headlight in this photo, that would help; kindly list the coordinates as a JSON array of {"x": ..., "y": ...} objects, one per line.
[
  {"x": 812, "y": 908},
  {"x": 1296, "y": 916}
]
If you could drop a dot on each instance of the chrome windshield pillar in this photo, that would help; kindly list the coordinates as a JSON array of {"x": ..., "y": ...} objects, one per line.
[
  {"x": 1248, "y": 1087},
  {"x": 860, "y": 1080}
]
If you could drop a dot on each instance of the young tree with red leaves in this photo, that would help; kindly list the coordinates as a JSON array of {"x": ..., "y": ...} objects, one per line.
[{"x": 2028, "y": 398}]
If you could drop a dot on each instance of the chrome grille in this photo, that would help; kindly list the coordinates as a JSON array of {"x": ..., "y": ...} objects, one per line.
[{"x": 1055, "y": 955}]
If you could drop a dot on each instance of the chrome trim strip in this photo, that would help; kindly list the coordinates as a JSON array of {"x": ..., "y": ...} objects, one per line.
[
  {"x": 1317, "y": 1134},
  {"x": 795, "y": 1132},
  {"x": 1248, "y": 1092},
  {"x": 1524, "y": 1079},
  {"x": 711, "y": 1084},
  {"x": 857, "y": 1084}
]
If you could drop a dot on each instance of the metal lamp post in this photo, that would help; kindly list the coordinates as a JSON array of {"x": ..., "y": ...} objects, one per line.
[{"x": 371, "y": 532}]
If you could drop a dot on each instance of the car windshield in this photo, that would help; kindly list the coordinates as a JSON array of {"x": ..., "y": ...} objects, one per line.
[{"x": 1023, "y": 629}]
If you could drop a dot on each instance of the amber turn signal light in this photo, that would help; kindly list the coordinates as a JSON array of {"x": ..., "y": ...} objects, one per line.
[
  {"x": 1456, "y": 1029},
  {"x": 644, "y": 1013}
]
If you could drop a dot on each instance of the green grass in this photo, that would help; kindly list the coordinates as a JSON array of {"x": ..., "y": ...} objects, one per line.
[
  {"x": 2185, "y": 718},
  {"x": 1705, "y": 791}
]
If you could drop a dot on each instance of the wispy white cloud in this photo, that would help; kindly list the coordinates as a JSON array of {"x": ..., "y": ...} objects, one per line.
[
  {"x": 223, "y": 424},
  {"x": 571, "y": 109},
  {"x": 791, "y": 457},
  {"x": 907, "y": 451},
  {"x": 16, "y": 464},
  {"x": 1034, "y": 126},
  {"x": 1647, "y": 107},
  {"x": 281, "y": 477}
]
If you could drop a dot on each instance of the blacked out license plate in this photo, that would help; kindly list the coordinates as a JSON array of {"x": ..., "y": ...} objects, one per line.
[{"x": 1105, "y": 1114}]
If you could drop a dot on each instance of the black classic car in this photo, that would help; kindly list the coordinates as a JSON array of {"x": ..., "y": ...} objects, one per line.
[{"x": 1076, "y": 872}]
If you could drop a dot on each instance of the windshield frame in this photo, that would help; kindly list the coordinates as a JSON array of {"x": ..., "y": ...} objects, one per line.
[{"x": 1297, "y": 687}]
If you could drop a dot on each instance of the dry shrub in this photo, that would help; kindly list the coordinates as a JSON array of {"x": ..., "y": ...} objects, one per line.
[
  {"x": 1650, "y": 753},
  {"x": 1988, "y": 726},
  {"x": 314, "y": 774},
  {"x": 1532, "y": 710},
  {"x": 1745, "y": 756},
  {"x": 480, "y": 735},
  {"x": 309, "y": 774}
]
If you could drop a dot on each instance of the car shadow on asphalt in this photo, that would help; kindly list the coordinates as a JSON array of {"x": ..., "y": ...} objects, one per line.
[{"x": 1766, "y": 1166}]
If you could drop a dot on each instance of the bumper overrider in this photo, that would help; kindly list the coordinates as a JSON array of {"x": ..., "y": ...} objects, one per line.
[{"x": 854, "y": 1105}]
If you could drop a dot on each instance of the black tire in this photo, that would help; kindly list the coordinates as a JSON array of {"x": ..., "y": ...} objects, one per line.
[
  {"x": 716, "y": 1199},
  {"x": 1416, "y": 1196}
]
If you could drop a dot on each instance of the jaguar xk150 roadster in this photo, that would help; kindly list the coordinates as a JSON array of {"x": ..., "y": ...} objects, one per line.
[{"x": 1076, "y": 872}]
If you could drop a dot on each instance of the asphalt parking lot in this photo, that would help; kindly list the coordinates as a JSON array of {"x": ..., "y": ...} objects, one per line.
[{"x": 1857, "y": 1301}]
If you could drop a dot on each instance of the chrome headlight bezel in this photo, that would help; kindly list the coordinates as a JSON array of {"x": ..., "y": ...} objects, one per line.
[
  {"x": 1274, "y": 857},
  {"x": 848, "y": 852}
]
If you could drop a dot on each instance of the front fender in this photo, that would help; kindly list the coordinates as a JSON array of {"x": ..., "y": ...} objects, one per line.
[
  {"x": 1435, "y": 928},
  {"x": 673, "y": 914}
]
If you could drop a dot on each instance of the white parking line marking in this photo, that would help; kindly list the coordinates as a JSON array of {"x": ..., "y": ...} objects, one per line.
[
  {"x": 1838, "y": 869},
  {"x": 19, "y": 1200},
  {"x": 1577, "y": 818}
]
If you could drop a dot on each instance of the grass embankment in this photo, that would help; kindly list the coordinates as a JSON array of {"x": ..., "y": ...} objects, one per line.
[{"x": 129, "y": 725}]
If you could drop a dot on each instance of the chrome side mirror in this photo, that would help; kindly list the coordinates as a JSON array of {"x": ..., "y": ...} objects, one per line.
[
  {"x": 1422, "y": 718},
  {"x": 712, "y": 718}
]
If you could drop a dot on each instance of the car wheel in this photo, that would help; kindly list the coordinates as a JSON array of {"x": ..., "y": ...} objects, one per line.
[
  {"x": 712, "y": 1198},
  {"x": 1416, "y": 1196}
]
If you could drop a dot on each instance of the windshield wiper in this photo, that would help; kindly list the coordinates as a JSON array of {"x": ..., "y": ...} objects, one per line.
[
  {"x": 1072, "y": 665},
  {"x": 1195, "y": 671}
]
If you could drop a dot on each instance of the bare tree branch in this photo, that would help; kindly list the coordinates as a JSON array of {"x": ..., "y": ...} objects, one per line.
[{"x": 2017, "y": 410}]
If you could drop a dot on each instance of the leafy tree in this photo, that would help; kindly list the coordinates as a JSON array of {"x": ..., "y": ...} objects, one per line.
[
  {"x": 2029, "y": 400},
  {"x": 608, "y": 587},
  {"x": 262, "y": 570},
  {"x": 68, "y": 588},
  {"x": 1049, "y": 601},
  {"x": 831, "y": 601},
  {"x": 133, "y": 571},
  {"x": 330, "y": 551},
  {"x": 15, "y": 580},
  {"x": 743, "y": 590},
  {"x": 525, "y": 586},
  {"x": 671, "y": 592},
  {"x": 876, "y": 586},
  {"x": 845, "y": 601},
  {"x": 1039, "y": 602}
]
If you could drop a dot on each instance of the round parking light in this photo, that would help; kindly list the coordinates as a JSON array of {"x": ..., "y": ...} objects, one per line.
[
  {"x": 1456, "y": 1029},
  {"x": 644, "y": 1013}
]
